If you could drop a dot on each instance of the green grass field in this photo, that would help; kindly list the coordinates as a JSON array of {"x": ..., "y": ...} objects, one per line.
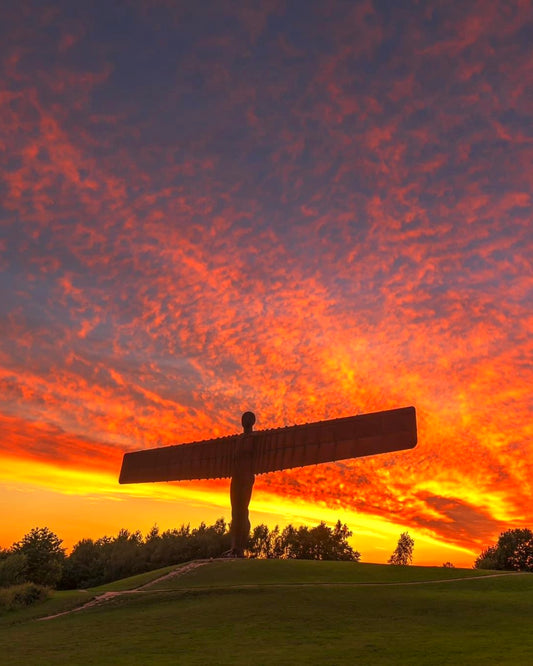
[{"x": 285, "y": 612}]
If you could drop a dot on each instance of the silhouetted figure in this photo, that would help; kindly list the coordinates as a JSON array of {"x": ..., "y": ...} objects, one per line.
[{"x": 242, "y": 483}]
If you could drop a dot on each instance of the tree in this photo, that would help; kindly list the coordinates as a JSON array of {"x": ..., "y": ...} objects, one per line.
[
  {"x": 12, "y": 569},
  {"x": 84, "y": 567},
  {"x": 303, "y": 543},
  {"x": 403, "y": 553},
  {"x": 510, "y": 552},
  {"x": 123, "y": 555},
  {"x": 487, "y": 559},
  {"x": 260, "y": 544},
  {"x": 44, "y": 556},
  {"x": 522, "y": 559},
  {"x": 212, "y": 540},
  {"x": 508, "y": 543},
  {"x": 343, "y": 550}
]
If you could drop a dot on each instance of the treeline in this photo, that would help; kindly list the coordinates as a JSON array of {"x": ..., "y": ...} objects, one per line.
[
  {"x": 303, "y": 543},
  {"x": 513, "y": 551},
  {"x": 40, "y": 558}
]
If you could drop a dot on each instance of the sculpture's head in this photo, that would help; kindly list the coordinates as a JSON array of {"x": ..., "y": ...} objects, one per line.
[{"x": 248, "y": 420}]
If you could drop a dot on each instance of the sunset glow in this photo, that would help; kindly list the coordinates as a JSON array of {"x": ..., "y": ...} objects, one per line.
[{"x": 308, "y": 210}]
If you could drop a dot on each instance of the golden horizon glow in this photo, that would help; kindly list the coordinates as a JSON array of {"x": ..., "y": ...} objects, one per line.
[
  {"x": 31, "y": 477},
  {"x": 373, "y": 535}
]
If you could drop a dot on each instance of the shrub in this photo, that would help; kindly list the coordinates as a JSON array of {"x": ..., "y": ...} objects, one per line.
[{"x": 22, "y": 596}]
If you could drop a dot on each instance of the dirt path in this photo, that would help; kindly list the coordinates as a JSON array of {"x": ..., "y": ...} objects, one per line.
[{"x": 106, "y": 596}]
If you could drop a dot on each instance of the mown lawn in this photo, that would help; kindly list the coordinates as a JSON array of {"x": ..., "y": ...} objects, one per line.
[
  {"x": 294, "y": 572},
  {"x": 258, "y": 612}
]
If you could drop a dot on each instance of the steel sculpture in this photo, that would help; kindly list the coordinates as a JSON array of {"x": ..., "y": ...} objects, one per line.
[{"x": 240, "y": 457}]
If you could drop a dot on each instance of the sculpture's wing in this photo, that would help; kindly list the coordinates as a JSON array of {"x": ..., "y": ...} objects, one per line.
[
  {"x": 271, "y": 450},
  {"x": 210, "y": 459},
  {"x": 337, "y": 439}
]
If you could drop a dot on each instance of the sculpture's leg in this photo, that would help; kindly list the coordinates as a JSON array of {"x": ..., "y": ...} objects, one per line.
[{"x": 240, "y": 493}]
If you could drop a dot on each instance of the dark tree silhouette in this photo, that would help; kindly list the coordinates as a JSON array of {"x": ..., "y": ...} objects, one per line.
[
  {"x": 403, "y": 553},
  {"x": 510, "y": 552},
  {"x": 304, "y": 543},
  {"x": 92, "y": 563},
  {"x": 44, "y": 556},
  {"x": 522, "y": 559}
]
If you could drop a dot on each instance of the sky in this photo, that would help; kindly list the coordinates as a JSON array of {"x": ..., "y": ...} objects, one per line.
[{"x": 305, "y": 209}]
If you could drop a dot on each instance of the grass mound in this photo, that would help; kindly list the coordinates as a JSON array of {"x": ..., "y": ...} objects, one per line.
[
  {"x": 292, "y": 612},
  {"x": 235, "y": 573}
]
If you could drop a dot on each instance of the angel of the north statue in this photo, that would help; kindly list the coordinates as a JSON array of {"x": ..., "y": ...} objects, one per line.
[{"x": 242, "y": 456}]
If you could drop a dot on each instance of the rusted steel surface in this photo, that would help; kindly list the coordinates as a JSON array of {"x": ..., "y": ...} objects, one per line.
[
  {"x": 338, "y": 439},
  {"x": 209, "y": 459},
  {"x": 265, "y": 451}
]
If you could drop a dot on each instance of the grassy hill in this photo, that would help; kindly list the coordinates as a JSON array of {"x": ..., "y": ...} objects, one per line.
[{"x": 284, "y": 612}]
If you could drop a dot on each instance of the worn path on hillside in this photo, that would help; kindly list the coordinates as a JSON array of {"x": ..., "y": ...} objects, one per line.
[
  {"x": 106, "y": 596},
  {"x": 184, "y": 569}
]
